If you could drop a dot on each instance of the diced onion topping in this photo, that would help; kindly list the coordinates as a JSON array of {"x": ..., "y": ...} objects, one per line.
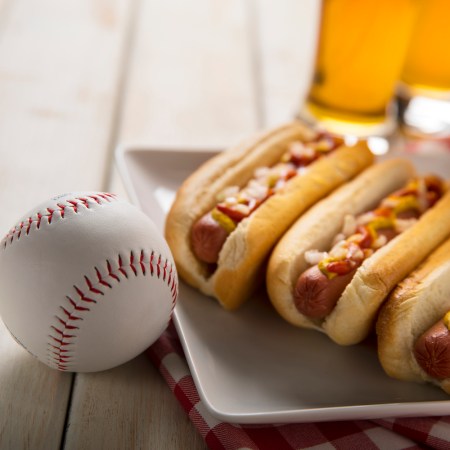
[
  {"x": 361, "y": 236},
  {"x": 238, "y": 203},
  {"x": 313, "y": 257},
  {"x": 365, "y": 218},
  {"x": 228, "y": 193},
  {"x": 339, "y": 251},
  {"x": 379, "y": 242}
]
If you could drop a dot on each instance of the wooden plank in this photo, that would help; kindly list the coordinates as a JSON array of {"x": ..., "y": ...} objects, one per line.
[
  {"x": 4, "y": 11},
  {"x": 129, "y": 407},
  {"x": 191, "y": 79},
  {"x": 60, "y": 65},
  {"x": 33, "y": 399},
  {"x": 190, "y": 83},
  {"x": 284, "y": 37}
]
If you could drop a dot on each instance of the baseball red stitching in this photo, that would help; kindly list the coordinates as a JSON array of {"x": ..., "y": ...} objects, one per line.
[
  {"x": 63, "y": 334},
  {"x": 63, "y": 338},
  {"x": 50, "y": 213}
]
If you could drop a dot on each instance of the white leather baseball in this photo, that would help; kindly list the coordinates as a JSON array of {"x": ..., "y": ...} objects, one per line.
[{"x": 86, "y": 282}]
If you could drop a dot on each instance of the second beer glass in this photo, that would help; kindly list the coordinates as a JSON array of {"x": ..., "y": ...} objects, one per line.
[{"x": 424, "y": 91}]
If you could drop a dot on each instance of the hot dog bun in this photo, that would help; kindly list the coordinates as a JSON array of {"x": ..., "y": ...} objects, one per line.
[
  {"x": 352, "y": 318},
  {"x": 415, "y": 305},
  {"x": 245, "y": 249}
]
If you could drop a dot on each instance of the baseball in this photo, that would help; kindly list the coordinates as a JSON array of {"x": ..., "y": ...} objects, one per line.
[{"x": 87, "y": 282}]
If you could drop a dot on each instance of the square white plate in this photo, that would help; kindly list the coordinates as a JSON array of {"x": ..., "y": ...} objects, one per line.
[{"x": 250, "y": 366}]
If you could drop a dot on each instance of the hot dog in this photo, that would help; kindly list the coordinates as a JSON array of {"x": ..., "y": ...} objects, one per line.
[
  {"x": 319, "y": 288},
  {"x": 336, "y": 265},
  {"x": 432, "y": 349},
  {"x": 228, "y": 214},
  {"x": 413, "y": 325}
]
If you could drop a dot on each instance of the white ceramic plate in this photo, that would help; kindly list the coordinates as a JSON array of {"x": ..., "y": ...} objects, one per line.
[{"x": 250, "y": 366}]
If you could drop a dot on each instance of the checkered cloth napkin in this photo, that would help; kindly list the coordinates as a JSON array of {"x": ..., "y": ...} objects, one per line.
[{"x": 390, "y": 434}]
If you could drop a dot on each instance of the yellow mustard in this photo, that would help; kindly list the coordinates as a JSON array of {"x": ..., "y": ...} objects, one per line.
[
  {"x": 323, "y": 267},
  {"x": 378, "y": 223},
  {"x": 447, "y": 320},
  {"x": 405, "y": 203},
  {"x": 223, "y": 220}
]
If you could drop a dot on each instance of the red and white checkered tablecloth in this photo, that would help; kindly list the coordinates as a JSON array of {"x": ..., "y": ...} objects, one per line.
[{"x": 390, "y": 434}]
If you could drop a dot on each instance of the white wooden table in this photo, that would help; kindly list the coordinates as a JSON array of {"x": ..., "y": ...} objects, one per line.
[{"x": 78, "y": 78}]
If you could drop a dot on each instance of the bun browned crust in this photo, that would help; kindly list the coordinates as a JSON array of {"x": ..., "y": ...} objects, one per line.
[
  {"x": 317, "y": 228},
  {"x": 353, "y": 317},
  {"x": 246, "y": 248},
  {"x": 355, "y": 313},
  {"x": 416, "y": 304}
]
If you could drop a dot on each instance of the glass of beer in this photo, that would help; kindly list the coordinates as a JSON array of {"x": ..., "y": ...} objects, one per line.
[
  {"x": 361, "y": 50},
  {"x": 424, "y": 90}
]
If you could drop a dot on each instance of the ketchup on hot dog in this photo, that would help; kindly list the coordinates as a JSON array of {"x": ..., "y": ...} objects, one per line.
[
  {"x": 319, "y": 288},
  {"x": 210, "y": 231}
]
